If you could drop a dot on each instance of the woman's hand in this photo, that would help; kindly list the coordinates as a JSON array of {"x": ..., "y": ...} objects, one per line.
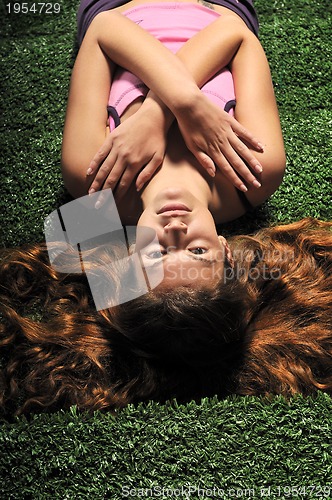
[
  {"x": 136, "y": 146},
  {"x": 217, "y": 139}
]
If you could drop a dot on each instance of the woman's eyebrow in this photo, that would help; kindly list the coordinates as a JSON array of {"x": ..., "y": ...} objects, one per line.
[
  {"x": 208, "y": 261},
  {"x": 192, "y": 257},
  {"x": 202, "y": 259}
]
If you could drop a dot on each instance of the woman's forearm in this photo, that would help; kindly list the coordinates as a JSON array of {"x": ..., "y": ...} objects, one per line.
[
  {"x": 206, "y": 53},
  {"x": 138, "y": 51},
  {"x": 212, "y": 48}
]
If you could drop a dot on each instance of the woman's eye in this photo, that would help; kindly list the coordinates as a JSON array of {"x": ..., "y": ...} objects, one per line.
[
  {"x": 156, "y": 254},
  {"x": 198, "y": 250}
]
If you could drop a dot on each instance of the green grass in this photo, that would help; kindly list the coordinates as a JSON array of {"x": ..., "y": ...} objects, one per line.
[
  {"x": 236, "y": 443},
  {"x": 239, "y": 443}
]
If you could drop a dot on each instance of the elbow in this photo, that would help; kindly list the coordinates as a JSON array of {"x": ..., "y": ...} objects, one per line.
[
  {"x": 74, "y": 178},
  {"x": 272, "y": 176},
  {"x": 274, "y": 166},
  {"x": 275, "y": 171}
]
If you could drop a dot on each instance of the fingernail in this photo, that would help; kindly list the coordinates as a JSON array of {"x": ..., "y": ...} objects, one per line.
[
  {"x": 91, "y": 191},
  {"x": 258, "y": 169},
  {"x": 257, "y": 184},
  {"x": 89, "y": 171},
  {"x": 243, "y": 188},
  {"x": 211, "y": 171},
  {"x": 260, "y": 145},
  {"x": 139, "y": 187},
  {"x": 98, "y": 205}
]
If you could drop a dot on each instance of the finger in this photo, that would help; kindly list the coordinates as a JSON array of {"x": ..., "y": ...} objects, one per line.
[
  {"x": 127, "y": 179},
  {"x": 148, "y": 171},
  {"x": 241, "y": 158},
  {"x": 111, "y": 181},
  {"x": 246, "y": 155},
  {"x": 238, "y": 165},
  {"x": 104, "y": 170},
  {"x": 101, "y": 154},
  {"x": 244, "y": 134},
  {"x": 103, "y": 173},
  {"x": 115, "y": 176},
  {"x": 124, "y": 183},
  {"x": 227, "y": 169},
  {"x": 242, "y": 169},
  {"x": 206, "y": 162}
]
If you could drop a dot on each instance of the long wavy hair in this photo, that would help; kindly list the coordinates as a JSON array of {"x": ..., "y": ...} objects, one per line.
[{"x": 265, "y": 329}]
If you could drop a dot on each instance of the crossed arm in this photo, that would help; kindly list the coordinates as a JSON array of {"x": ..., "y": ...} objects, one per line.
[{"x": 211, "y": 134}]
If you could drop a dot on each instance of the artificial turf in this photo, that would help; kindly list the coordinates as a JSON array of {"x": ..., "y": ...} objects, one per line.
[
  {"x": 237, "y": 444},
  {"x": 243, "y": 447}
]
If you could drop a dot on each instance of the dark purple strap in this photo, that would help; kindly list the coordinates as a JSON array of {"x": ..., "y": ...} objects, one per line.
[{"x": 88, "y": 9}]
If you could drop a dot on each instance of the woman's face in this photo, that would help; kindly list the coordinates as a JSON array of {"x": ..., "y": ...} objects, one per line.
[{"x": 187, "y": 244}]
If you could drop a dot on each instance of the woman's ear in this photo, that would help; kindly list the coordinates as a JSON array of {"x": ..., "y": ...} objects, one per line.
[{"x": 228, "y": 253}]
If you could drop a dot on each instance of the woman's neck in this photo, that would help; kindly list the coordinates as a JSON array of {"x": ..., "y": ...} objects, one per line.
[{"x": 178, "y": 177}]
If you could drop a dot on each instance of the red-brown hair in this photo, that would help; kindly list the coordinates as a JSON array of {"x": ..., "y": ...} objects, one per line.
[
  {"x": 267, "y": 330},
  {"x": 288, "y": 344}
]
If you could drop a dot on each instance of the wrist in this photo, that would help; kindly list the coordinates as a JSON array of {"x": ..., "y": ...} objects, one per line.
[
  {"x": 191, "y": 105},
  {"x": 157, "y": 111}
]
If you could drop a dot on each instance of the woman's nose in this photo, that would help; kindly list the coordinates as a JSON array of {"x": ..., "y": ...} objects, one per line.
[{"x": 176, "y": 225}]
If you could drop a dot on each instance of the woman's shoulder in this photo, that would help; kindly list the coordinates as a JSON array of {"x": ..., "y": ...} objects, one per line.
[{"x": 88, "y": 9}]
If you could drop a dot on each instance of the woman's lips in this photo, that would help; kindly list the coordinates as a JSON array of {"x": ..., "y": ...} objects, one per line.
[{"x": 174, "y": 207}]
